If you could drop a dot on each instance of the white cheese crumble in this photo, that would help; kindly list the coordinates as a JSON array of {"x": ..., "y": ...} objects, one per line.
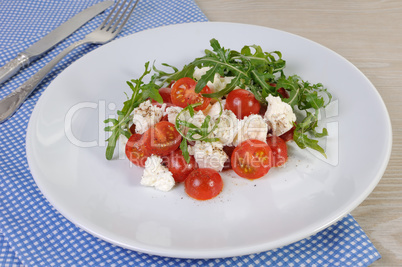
[
  {"x": 219, "y": 81},
  {"x": 157, "y": 175},
  {"x": 197, "y": 120},
  {"x": 172, "y": 113},
  {"x": 208, "y": 155},
  {"x": 279, "y": 115},
  {"x": 251, "y": 127},
  {"x": 146, "y": 115},
  {"x": 227, "y": 128},
  {"x": 215, "y": 109}
]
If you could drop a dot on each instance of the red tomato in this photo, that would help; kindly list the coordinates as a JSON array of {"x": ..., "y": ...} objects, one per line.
[
  {"x": 279, "y": 150},
  {"x": 165, "y": 118},
  {"x": 203, "y": 184},
  {"x": 229, "y": 151},
  {"x": 281, "y": 91},
  {"x": 288, "y": 135},
  {"x": 135, "y": 151},
  {"x": 132, "y": 128},
  {"x": 183, "y": 94},
  {"x": 165, "y": 93},
  {"x": 263, "y": 110},
  {"x": 251, "y": 159},
  {"x": 178, "y": 166},
  {"x": 161, "y": 139},
  {"x": 242, "y": 103}
]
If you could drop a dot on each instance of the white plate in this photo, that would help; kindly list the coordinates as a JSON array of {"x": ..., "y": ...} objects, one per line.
[{"x": 105, "y": 197}]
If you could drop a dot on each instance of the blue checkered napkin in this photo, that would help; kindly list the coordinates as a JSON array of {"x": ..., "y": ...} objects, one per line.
[{"x": 33, "y": 233}]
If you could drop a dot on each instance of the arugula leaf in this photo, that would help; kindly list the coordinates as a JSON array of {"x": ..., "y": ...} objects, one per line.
[
  {"x": 303, "y": 141},
  {"x": 184, "y": 150},
  {"x": 151, "y": 90},
  {"x": 120, "y": 125}
]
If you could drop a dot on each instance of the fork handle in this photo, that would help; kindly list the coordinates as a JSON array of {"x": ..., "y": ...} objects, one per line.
[{"x": 13, "y": 101}]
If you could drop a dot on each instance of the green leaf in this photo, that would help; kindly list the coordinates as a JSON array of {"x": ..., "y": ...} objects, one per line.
[
  {"x": 303, "y": 141},
  {"x": 120, "y": 125},
  {"x": 111, "y": 145},
  {"x": 229, "y": 87},
  {"x": 209, "y": 76},
  {"x": 184, "y": 150},
  {"x": 151, "y": 91},
  {"x": 292, "y": 86}
]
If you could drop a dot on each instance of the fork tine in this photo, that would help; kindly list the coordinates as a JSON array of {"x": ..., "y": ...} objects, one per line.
[
  {"x": 116, "y": 15},
  {"x": 124, "y": 15},
  {"x": 128, "y": 16},
  {"x": 110, "y": 14}
]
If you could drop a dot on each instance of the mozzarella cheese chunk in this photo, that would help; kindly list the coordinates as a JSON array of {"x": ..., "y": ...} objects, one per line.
[
  {"x": 198, "y": 73},
  {"x": 279, "y": 115},
  {"x": 219, "y": 82},
  {"x": 172, "y": 113},
  {"x": 227, "y": 128},
  {"x": 214, "y": 111},
  {"x": 208, "y": 154},
  {"x": 251, "y": 127},
  {"x": 157, "y": 175},
  {"x": 197, "y": 120},
  {"x": 146, "y": 116}
]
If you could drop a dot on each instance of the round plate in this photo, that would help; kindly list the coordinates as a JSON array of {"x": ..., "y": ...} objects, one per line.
[{"x": 66, "y": 151}]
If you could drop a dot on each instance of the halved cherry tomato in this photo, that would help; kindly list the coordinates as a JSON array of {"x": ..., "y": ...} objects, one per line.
[
  {"x": 279, "y": 150},
  {"x": 132, "y": 128},
  {"x": 203, "y": 184},
  {"x": 287, "y": 136},
  {"x": 252, "y": 159},
  {"x": 135, "y": 150},
  {"x": 183, "y": 94},
  {"x": 229, "y": 151},
  {"x": 161, "y": 139},
  {"x": 165, "y": 93},
  {"x": 242, "y": 103},
  {"x": 165, "y": 118},
  {"x": 178, "y": 166},
  {"x": 281, "y": 91}
]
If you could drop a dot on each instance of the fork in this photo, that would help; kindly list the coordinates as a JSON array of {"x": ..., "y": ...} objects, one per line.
[{"x": 109, "y": 28}]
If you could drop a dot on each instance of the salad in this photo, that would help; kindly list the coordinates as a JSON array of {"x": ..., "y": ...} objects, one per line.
[{"x": 224, "y": 110}]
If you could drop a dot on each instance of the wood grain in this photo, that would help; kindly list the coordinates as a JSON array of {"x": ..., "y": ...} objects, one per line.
[{"x": 369, "y": 34}]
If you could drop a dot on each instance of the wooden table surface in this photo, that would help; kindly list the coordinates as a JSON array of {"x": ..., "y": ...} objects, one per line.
[{"x": 369, "y": 34}]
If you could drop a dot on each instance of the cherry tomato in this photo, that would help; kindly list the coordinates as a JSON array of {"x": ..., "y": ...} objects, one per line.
[
  {"x": 178, "y": 166},
  {"x": 263, "y": 110},
  {"x": 183, "y": 94},
  {"x": 165, "y": 118},
  {"x": 203, "y": 184},
  {"x": 288, "y": 135},
  {"x": 165, "y": 93},
  {"x": 242, "y": 103},
  {"x": 132, "y": 128},
  {"x": 279, "y": 150},
  {"x": 161, "y": 139},
  {"x": 252, "y": 159},
  {"x": 135, "y": 151},
  {"x": 281, "y": 91},
  {"x": 229, "y": 151}
]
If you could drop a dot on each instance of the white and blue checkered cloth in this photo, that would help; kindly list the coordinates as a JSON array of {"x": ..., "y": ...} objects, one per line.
[{"x": 33, "y": 233}]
